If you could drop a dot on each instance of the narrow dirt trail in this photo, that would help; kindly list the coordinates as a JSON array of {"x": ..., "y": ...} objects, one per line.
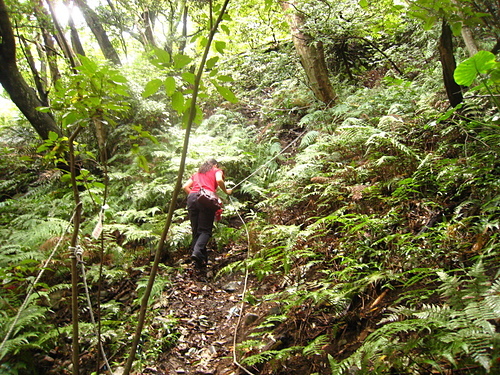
[{"x": 208, "y": 314}]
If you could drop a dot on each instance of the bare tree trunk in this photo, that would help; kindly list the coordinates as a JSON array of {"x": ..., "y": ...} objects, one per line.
[
  {"x": 453, "y": 89},
  {"x": 95, "y": 25},
  {"x": 39, "y": 82},
  {"x": 23, "y": 96},
  {"x": 75, "y": 37},
  {"x": 466, "y": 32},
  {"x": 148, "y": 20},
  {"x": 61, "y": 39},
  {"x": 49, "y": 48},
  {"x": 469, "y": 40},
  {"x": 182, "y": 45},
  {"x": 311, "y": 55}
]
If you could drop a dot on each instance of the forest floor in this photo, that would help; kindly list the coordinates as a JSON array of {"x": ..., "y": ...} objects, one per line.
[
  {"x": 213, "y": 314},
  {"x": 210, "y": 315}
]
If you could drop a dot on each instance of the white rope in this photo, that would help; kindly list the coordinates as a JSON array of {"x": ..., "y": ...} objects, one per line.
[
  {"x": 245, "y": 287},
  {"x": 32, "y": 287},
  {"x": 92, "y": 319},
  {"x": 270, "y": 160}
]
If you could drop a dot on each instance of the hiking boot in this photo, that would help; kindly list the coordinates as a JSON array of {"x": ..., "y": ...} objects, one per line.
[{"x": 198, "y": 259}]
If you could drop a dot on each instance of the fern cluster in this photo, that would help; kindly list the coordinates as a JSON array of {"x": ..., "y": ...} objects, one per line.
[{"x": 458, "y": 333}]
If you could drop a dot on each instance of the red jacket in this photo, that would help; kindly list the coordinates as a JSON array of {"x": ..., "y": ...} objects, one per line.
[{"x": 206, "y": 181}]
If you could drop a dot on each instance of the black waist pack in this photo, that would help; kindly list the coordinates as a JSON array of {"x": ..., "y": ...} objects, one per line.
[{"x": 208, "y": 200}]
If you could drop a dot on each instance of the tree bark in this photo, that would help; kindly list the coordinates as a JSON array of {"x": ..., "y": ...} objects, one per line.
[
  {"x": 311, "y": 55},
  {"x": 97, "y": 29},
  {"x": 467, "y": 36},
  {"x": 40, "y": 84},
  {"x": 75, "y": 37},
  {"x": 453, "y": 89},
  {"x": 23, "y": 96},
  {"x": 61, "y": 39},
  {"x": 148, "y": 20},
  {"x": 49, "y": 48},
  {"x": 469, "y": 40}
]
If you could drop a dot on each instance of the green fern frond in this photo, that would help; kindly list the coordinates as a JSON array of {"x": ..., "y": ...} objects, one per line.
[
  {"x": 308, "y": 139},
  {"x": 13, "y": 255},
  {"x": 131, "y": 232},
  {"x": 59, "y": 287},
  {"x": 252, "y": 189},
  {"x": 250, "y": 344},
  {"x": 159, "y": 285},
  {"x": 456, "y": 331},
  {"x": 26, "y": 330},
  {"x": 33, "y": 232},
  {"x": 315, "y": 347},
  {"x": 268, "y": 355}
]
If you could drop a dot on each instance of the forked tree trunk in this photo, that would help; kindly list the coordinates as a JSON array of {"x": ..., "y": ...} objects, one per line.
[
  {"x": 95, "y": 25},
  {"x": 49, "y": 47},
  {"x": 23, "y": 96},
  {"x": 147, "y": 21},
  {"x": 469, "y": 40},
  {"x": 75, "y": 37},
  {"x": 61, "y": 38},
  {"x": 453, "y": 89},
  {"x": 311, "y": 55}
]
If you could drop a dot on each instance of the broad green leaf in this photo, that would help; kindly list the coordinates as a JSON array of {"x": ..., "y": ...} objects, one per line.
[
  {"x": 53, "y": 135},
  {"x": 227, "y": 94},
  {"x": 467, "y": 71},
  {"x": 198, "y": 117},
  {"x": 178, "y": 102},
  {"x": 219, "y": 46},
  {"x": 495, "y": 75},
  {"x": 88, "y": 66},
  {"x": 225, "y": 29},
  {"x": 151, "y": 87},
  {"x": 429, "y": 22},
  {"x": 225, "y": 78},
  {"x": 180, "y": 61},
  {"x": 456, "y": 28},
  {"x": 70, "y": 118},
  {"x": 363, "y": 4},
  {"x": 98, "y": 185},
  {"x": 211, "y": 62},
  {"x": 195, "y": 36},
  {"x": 170, "y": 85},
  {"x": 121, "y": 90},
  {"x": 189, "y": 77},
  {"x": 118, "y": 78},
  {"x": 203, "y": 42},
  {"x": 163, "y": 56},
  {"x": 142, "y": 162}
]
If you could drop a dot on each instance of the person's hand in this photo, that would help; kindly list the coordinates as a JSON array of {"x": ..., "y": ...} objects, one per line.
[{"x": 229, "y": 191}]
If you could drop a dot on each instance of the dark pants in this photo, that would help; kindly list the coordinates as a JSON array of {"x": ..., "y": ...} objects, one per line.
[{"x": 202, "y": 221}]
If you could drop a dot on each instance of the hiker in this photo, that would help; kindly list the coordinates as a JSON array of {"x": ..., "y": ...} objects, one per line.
[{"x": 208, "y": 177}]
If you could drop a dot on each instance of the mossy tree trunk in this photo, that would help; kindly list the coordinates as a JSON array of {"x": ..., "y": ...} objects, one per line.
[
  {"x": 311, "y": 54},
  {"x": 94, "y": 23},
  {"x": 448, "y": 63},
  {"x": 23, "y": 96}
]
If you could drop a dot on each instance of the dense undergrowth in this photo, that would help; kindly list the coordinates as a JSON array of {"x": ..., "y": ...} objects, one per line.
[{"x": 381, "y": 221}]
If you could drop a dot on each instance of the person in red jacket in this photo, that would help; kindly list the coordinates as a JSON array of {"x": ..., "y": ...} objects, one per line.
[{"x": 208, "y": 177}]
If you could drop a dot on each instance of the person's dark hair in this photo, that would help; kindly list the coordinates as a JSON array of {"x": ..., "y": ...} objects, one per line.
[{"x": 208, "y": 165}]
